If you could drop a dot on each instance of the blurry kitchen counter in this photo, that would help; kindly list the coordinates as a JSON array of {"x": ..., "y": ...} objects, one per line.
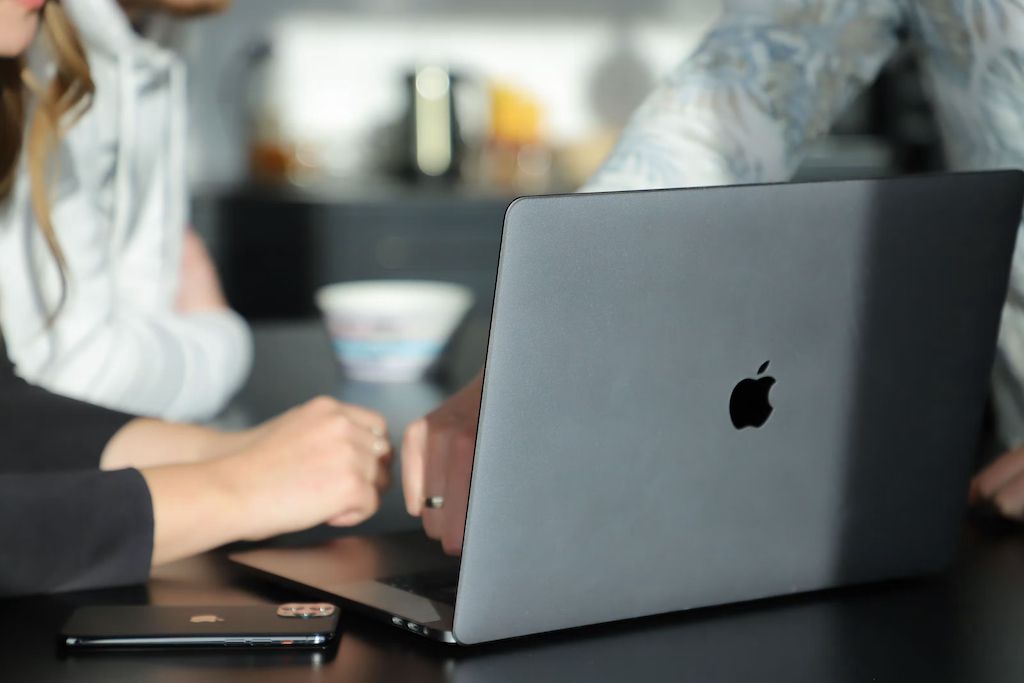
[{"x": 275, "y": 245}]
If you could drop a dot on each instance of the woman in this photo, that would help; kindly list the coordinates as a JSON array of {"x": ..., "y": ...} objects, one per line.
[
  {"x": 140, "y": 323},
  {"x": 90, "y": 497}
]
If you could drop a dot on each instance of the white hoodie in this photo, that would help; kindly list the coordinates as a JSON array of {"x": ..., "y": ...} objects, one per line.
[{"x": 120, "y": 208}]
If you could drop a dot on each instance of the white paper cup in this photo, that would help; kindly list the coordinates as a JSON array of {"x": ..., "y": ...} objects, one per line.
[{"x": 391, "y": 330}]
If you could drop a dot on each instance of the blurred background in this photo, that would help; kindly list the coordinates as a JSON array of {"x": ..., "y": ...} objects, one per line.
[{"x": 337, "y": 140}]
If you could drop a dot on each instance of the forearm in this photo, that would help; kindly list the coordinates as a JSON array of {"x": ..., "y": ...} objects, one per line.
[
  {"x": 145, "y": 442},
  {"x": 194, "y": 509}
]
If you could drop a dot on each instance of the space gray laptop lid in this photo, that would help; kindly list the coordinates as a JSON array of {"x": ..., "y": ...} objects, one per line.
[{"x": 702, "y": 396}]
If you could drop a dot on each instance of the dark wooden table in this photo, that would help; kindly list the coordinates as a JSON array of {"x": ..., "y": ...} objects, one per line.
[{"x": 964, "y": 625}]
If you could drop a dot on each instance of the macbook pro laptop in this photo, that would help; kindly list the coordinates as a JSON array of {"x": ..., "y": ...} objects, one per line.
[{"x": 703, "y": 396}]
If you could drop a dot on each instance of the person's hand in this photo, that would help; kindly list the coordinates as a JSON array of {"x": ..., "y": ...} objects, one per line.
[
  {"x": 437, "y": 459},
  {"x": 324, "y": 461},
  {"x": 199, "y": 289},
  {"x": 1001, "y": 483}
]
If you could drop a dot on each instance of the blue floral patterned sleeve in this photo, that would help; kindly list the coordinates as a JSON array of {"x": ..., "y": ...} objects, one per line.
[
  {"x": 769, "y": 77},
  {"x": 772, "y": 75}
]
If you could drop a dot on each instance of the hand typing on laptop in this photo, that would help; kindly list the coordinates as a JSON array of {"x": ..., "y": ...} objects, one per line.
[{"x": 437, "y": 459}]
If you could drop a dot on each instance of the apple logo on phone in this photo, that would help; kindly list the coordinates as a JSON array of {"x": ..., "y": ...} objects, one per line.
[
  {"x": 749, "y": 405},
  {"x": 205, "y": 619}
]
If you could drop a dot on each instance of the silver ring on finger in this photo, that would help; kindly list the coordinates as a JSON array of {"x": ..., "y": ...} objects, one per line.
[{"x": 433, "y": 502}]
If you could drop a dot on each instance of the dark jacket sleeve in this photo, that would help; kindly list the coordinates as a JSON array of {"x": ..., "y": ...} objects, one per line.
[
  {"x": 62, "y": 531},
  {"x": 40, "y": 431},
  {"x": 64, "y": 524}
]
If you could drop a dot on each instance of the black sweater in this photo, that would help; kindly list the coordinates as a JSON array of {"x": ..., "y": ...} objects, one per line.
[{"x": 64, "y": 524}]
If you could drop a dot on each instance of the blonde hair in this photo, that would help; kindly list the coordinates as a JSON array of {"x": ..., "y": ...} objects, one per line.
[{"x": 58, "y": 106}]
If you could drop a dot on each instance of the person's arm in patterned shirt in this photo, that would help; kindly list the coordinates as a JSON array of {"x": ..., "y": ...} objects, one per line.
[{"x": 769, "y": 78}]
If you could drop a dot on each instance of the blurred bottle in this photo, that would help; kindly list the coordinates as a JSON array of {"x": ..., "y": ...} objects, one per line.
[
  {"x": 515, "y": 158},
  {"x": 432, "y": 146},
  {"x": 273, "y": 158}
]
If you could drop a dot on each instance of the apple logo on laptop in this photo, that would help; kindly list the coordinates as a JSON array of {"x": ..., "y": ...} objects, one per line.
[{"x": 748, "y": 405}]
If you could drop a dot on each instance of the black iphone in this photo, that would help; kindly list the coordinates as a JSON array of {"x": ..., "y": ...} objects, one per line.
[{"x": 291, "y": 625}]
